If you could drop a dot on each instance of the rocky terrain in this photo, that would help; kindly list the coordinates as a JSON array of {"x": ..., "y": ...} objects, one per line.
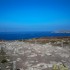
[{"x": 34, "y": 56}]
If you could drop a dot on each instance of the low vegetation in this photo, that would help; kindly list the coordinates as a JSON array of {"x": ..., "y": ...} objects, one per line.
[
  {"x": 60, "y": 67},
  {"x": 4, "y": 61}
]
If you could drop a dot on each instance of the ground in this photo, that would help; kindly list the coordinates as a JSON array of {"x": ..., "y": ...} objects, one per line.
[{"x": 32, "y": 56}]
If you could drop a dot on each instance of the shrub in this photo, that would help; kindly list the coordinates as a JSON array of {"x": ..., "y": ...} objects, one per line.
[
  {"x": 4, "y": 61},
  {"x": 55, "y": 67},
  {"x": 60, "y": 67}
]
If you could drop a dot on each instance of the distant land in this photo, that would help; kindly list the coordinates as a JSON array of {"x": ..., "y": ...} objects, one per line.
[{"x": 62, "y": 31}]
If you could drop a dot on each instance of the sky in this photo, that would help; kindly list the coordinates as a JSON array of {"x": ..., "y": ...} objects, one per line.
[{"x": 34, "y": 15}]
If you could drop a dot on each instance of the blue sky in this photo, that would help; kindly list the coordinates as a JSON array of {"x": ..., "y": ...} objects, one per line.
[{"x": 34, "y": 15}]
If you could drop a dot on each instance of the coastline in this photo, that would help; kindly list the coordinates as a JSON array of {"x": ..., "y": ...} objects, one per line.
[{"x": 30, "y": 35}]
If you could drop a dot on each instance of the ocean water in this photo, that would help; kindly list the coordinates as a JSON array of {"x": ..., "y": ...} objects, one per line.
[{"x": 28, "y": 35}]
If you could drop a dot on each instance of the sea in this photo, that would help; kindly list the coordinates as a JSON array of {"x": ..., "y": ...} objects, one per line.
[{"x": 29, "y": 35}]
